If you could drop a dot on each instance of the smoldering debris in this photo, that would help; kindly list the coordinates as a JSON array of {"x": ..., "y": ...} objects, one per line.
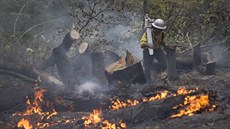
[{"x": 88, "y": 87}]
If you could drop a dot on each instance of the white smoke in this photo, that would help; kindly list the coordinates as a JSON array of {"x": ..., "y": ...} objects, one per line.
[
  {"x": 123, "y": 38},
  {"x": 88, "y": 87},
  {"x": 219, "y": 54}
]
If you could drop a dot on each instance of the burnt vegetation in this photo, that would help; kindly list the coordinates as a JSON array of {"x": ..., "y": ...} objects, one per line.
[{"x": 46, "y": 81}]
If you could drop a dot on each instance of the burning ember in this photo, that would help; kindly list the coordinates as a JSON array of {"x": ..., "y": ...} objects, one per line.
[
  {"x": 25, "y": 123},
  {"x": 35, "y": 117},
  {"x": 95, "y": 119},
  {"x": 34, "y": 108},
  {"x": 34, "y": 112},
  {"x": 193, "y": 104},
  {"x": 184, "y": 91},
  {"x": 118, "y": 104}
]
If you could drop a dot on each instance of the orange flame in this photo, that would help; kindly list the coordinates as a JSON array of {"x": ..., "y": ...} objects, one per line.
[
  {"x": 118, "y": 104},
  {"x": 161, "y": 95},
  {"x": 193, "y": 104},
  {"x": 35, "y": 108},
  {"x": 96, "y": 120},
  {"x": 24, "y": 123},
  {"x": 184, "y": 91},
  {"x": 93, "y": 118}
]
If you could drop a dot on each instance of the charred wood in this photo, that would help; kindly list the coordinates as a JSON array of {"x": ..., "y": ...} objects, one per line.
[
  {"x": 196, "y": 57},
  {"x": 98, "y": 67},
  {"x": 210, "y": 68},
  {"x": 65, "y": 45},
  {"x": 18, "y": 75},
  {"x": 171, "y": 63},
  {"x": 146, "y": 111},
  {"x": 128, "y": 69},
  {"x": 110, "y": 57}
]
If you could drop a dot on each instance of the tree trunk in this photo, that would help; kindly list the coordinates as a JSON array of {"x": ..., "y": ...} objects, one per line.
[
  {"x": 65, "y": 45},
  {"x": 98, "y": 67},
  {"x": 171, "y": 63},
  {"x": 196, "y": 57}
]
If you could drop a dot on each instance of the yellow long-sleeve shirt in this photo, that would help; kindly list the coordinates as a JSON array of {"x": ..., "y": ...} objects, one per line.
[{"x": 157, "y": 40}]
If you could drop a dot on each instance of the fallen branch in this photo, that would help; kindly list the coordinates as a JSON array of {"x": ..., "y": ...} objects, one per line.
[{"x": 18, "y": 75}]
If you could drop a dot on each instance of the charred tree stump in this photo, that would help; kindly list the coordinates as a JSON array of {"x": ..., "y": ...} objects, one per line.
[
  {"x": 110, "y": 57},
  {"x": 196, "y": 57},
  {"x": 171, "y": 63},
  {"x": 61, "y": 61},
  {"x": 98, "y": 67},
  {"x": 131, "y": 74},
  {"x": 63, "y": 66},
  {"x": 211, "y": 68},
  {"x": 127, "y": 70},
  {"x": 210, "y": 65},
  {"x": 66, "y": 45}
]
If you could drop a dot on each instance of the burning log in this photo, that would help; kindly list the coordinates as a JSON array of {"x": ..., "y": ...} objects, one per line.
[
  {"x": 127, "y": 69},
  {"x": 184, "y": 103},
  {"x": 146, "y": 111}
]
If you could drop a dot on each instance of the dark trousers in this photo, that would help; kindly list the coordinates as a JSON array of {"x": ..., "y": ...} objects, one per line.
[{"x": 148, "y": 61}]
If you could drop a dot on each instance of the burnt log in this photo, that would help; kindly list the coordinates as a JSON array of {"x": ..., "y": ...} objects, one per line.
[
  {"x": 80, "y": 104},
  {"x": 29, "y": 75},
  {"x": 146, "y": 111},
  {"x": 127, "y": 70}
]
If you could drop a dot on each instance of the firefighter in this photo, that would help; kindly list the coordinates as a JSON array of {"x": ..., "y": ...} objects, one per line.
[{"x": 153, "y": 50}]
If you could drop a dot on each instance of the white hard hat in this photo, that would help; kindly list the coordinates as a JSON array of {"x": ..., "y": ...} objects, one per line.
[{"x": 159, "y": 24}]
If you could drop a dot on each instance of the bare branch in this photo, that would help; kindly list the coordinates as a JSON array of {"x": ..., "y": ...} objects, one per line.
[
  {"x": 175, "y": 17},
  {"x": 17, "y": 75},
  {"x": 93, "y": 16},
  {"x": 32, "y": 28},
  {"x": 39, "y": 24},
  {"x": 16, "y": 20}
]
